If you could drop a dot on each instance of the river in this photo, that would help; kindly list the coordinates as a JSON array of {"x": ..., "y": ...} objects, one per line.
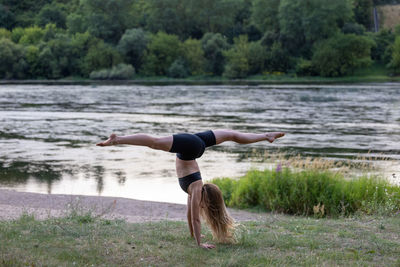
[{"x": 48, "y": 132}]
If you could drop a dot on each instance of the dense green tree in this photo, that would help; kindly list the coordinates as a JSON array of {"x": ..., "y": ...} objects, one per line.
[
  {"x": 257, "y": 57},
  {"x": 32, "y": 35},
  {"x": 171, "y": 17},
  {"x": 100, "y": 56},
  {"x": 302, "y": 23},
  {"x": 12, "y": 62},
  {"x": 216, "y": 15},
  {"x": 7, "y": 18},
  {"x": 353, "y": 28},
  {"x": 105, "y": 19},
  {"x": 213, "y": 45},
  {"x": 16, "y": 34},
  {"x": 59, "y": 38},
  {"x": 162, "y": 50},
  {"x": 192, "y": 18},
  {"x": 76, "y": 23},
  {"x": 278, "y": 59},
  {"x": 62, "y": 49},
  {"x": 382, "y": 51},
  {"x": 52, "y": 13},
  {"x": 47, "y": 66},
  {"x": 132, "y": 46},
  {"x": 4, "y": 33},
  {"x": 50, "y": 32},
  {"x": 363, "y": 12},
  {"x": 394, "y": 63},
  {"x": 32, "y": 56},
  {"x": 342, "y": 54},
  {"x": 194, "y": 56},
  {"x": 25, "y": 11},
  {"x": 237, "y": 58},
  {"x": 265, "y": 15}
]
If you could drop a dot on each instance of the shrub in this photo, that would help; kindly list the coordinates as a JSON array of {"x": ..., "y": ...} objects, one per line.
[
  {"x": 178, "y": 69},
  {"x": 342, "y": 54},
  {"x": 310, "y": 192},
  {"x": 305, "y": 68},
  {"x": 118, "y": 72}
]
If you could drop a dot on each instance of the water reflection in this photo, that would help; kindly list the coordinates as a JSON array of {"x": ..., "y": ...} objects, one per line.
[
  {"x": 47, "y": 132},
  {"x": 18, "y": 172}
]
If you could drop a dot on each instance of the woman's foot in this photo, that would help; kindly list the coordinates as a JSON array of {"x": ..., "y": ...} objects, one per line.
[
  {"x": 112, "y": 140},
  {"x": 272, "y": 136}
]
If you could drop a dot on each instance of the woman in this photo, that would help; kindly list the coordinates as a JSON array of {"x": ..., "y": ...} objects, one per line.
[{"x": 204, "y": 199}]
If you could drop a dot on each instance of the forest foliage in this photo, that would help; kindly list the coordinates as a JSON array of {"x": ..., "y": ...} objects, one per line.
[{"x": 116, "y": 39}]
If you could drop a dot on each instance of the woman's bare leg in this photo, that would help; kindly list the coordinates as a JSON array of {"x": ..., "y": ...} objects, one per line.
[
  {"x": 245, "y": 138},
  {"x": 159, "y": 143}
]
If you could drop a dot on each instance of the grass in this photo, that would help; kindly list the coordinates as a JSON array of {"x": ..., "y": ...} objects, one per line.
[{"x": 278, "y": 240}]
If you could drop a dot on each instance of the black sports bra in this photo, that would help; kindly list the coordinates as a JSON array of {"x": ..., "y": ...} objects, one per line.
[{"x": 185, "y": 181}]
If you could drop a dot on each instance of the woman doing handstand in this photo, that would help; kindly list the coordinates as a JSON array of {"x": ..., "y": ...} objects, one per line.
[{"x": 203, "y": 199}]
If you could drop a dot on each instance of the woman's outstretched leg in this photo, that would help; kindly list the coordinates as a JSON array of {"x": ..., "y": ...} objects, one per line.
[
  {"x": 245, "y": 138},
  {"x": 159, "y": 143}
]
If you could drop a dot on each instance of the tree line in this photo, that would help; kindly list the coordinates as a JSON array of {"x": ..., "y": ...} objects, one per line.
[{"x": 114, "y": 39}]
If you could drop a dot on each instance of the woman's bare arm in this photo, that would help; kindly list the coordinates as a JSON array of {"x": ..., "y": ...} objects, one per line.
[
  {"x": 189, "y": 216},
  {"x": 195, "y": 216}
]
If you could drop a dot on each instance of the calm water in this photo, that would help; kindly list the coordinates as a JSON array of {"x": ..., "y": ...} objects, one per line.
[{"x": 47, "y": 133}]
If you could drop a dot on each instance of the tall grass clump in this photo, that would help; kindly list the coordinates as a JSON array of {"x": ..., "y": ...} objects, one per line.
[{"x": 310, "y": 192}]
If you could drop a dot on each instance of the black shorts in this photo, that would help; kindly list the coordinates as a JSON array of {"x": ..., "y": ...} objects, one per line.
[{"x": 192, "y": 146}]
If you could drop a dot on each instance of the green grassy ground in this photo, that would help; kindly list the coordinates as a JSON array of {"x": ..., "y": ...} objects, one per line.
[{"x": 278, "y": 240}]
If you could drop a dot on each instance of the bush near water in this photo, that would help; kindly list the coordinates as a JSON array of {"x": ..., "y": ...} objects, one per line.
[{"x": 310, "y": 192}]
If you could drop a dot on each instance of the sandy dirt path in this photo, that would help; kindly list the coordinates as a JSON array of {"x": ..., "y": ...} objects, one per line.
[{"x": 13, "y": 204}]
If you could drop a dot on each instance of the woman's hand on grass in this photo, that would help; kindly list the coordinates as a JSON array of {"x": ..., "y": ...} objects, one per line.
[{"x": 207, "y": 246}]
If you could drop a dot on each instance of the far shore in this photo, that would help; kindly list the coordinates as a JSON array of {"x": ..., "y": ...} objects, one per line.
[
  {"x": 13, "y": 204},
  {"x": 210, "y": 81}
]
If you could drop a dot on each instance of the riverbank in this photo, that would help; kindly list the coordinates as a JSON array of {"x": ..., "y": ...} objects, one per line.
[
  {"x": 372, "y": 75},
  {"x": 87, "y": 239},
  {"x": 13, "y": 204}
]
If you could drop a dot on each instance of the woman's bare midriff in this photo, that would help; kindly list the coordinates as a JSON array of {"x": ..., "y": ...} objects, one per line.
[{"x": 186, "y": 167}]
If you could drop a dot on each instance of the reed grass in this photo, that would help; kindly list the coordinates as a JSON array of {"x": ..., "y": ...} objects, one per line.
[{"x": 313, "y": 186}]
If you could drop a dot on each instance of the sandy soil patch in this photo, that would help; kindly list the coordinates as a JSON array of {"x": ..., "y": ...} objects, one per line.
[{"x": 42, "y": 206}]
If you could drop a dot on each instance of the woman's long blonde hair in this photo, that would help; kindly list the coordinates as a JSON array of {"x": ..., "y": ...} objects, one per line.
[{"x": 214, "y": 212}]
